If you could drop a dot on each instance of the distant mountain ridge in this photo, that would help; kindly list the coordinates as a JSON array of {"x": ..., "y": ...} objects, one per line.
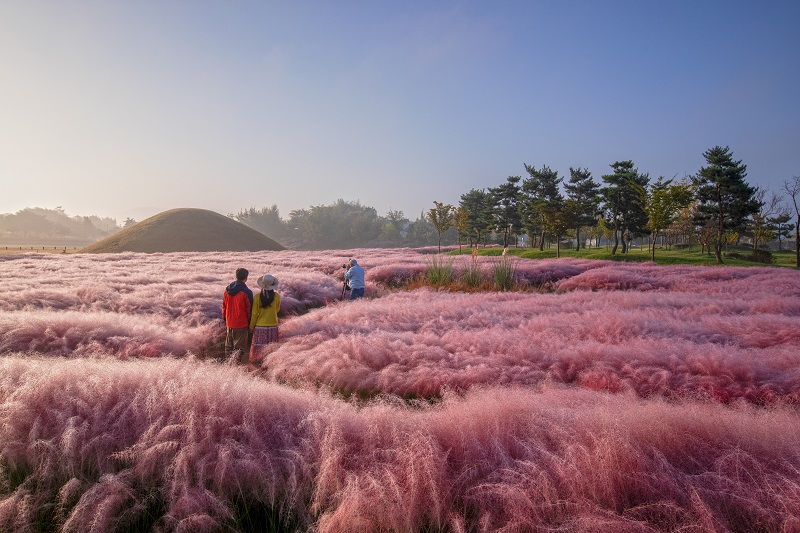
[{"x": 185, "y": 230}]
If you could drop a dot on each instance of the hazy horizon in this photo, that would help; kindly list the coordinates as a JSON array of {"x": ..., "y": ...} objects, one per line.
[{"x": 127, "y": 110}]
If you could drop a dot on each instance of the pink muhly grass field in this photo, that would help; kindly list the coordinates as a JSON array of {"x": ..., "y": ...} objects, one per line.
[
  {"x": 163, "y": 444},
  {"x": 628, "y": 397},
  {"x": 649, "y": 343}
]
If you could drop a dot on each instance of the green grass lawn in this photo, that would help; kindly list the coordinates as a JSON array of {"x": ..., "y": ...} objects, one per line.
[{"x": 784, "y": 258}]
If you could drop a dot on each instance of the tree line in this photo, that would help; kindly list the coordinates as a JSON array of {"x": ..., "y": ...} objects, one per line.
[
  {"x": 343, "y": 224},
  {"x": 36, "y": 223},
  {"x": 713, "y": 208}
]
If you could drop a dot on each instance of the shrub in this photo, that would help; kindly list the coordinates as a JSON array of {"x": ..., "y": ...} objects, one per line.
[
  {"x": 439, "y": 271},
  {"x": 503, "y": 273},
  {"x": 756, "y": 256},
  {"x": 472, "y": 276}
]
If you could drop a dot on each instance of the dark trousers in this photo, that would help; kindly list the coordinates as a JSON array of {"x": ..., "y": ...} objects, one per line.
[
  {"x": 236, "y": 339},
  {"x": 356, "y": 293}
]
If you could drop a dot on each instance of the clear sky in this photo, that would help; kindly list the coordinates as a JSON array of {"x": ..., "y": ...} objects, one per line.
[{"x": 127, "y": 108}]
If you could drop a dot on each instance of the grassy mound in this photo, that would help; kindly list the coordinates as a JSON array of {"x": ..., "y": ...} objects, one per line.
[{"x": 185, "y": 230}]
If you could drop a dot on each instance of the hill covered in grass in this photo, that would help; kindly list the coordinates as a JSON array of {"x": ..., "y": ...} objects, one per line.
[{"x": 185, "y": 230}]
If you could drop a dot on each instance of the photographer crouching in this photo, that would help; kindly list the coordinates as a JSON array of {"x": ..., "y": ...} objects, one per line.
[{"x": 354, "y": 277}]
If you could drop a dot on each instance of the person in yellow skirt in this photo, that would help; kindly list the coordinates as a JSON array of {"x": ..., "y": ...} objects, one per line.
[{"x": 264, "y": 318}]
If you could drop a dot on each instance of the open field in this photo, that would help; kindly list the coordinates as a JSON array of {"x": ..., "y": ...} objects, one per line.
[
  {"x": 600, "y": 396},
  {"x": 16, "y": 249},
  {"x": 664, "y": 256}
]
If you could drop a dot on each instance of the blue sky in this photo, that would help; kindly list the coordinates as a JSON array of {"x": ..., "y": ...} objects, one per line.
[{"x": 123, "y": 108}]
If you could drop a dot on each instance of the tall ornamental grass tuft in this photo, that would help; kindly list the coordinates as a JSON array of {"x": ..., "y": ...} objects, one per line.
[
  {"x": 170, "y": 445},
  {"x": 503, "y": 273},
  {"x": 439, "y": 271},
  {"x": 472, "y": 276}
]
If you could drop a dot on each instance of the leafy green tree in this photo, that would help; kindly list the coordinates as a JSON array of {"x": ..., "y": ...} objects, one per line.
[
  {"x": 584, "y": 193},
  {"x": 684, "y": 223},
  {"x": 623, "y": 203},
  {"x": 542, "y": 200},
  {"x": 706, "y": 236},
  {"x": 441, "y": 216},
  {"x": 421, "y": 232},
  {"x": 477, "y": 205},
  {"x": 30, "y": 223},
  {"x": 725, "y": 200},
  {"x": 266, "y": 220},
  {"x": 662, "y": 203},
  {"x": 557, "y": 219},
  {"x": 780, "y": 226},
  {"x": 340, "y": 225},
  {"x": 393, "y": 228},
  {"x": 604, "y": 230},
  {"x": 591, "y": 233},
  {"x": 460, "y": 218},
  {"x": 505, "y": 199},
  {"x": 48, "y": 223}
]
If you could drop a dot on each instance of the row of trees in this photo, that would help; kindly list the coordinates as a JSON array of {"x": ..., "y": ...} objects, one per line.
[
  {"x": 49, "y": 224},
  {"x": 343, "y": 224},
  {"x": 713, "y": 208}
]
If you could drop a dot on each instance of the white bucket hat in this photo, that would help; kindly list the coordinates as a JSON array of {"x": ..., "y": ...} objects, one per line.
[{"x": 268, "y": 282}]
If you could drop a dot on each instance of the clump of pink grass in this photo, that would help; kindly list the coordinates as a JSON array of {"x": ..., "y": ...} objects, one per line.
[
  {"x": 134, "y": 304},
  {"x": 649, "y": 343},
  {"x": 187, "y": 445},
  {"x": 724, "y": 334}
]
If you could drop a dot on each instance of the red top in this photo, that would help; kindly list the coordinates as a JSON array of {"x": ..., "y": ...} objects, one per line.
[{"x": 236, "y": 310}]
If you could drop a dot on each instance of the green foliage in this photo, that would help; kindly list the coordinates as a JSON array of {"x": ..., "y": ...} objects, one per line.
[
  {"x": 421, "y": 232},
  {"x": 392, "y": 228},
  {"x": 543, "y": 202},
  {"x": 503, "y": 273},
  {"x": 754, "y": 256},
  {"x": 266, "y": 220},
  {"x": 584, "y": 194},
  {"x": 663, "y": 203},
  {"x": 505, "y": 201},
  {"x": 342, "y": 224},
  {"x": 439, "y": 271},
  {"x": 476, "y": 210},
  {"x": 675, "y": 256},
  {"x": 725, "y": 200},
  {"x": 624, "y": 202},
  {"x": 442, "y": 218},
  {"x": 45, "y": 224},
  {"x": 781, "y": 227},
  {"x": 472, "y": 276},
  {"x": 256, "y": 515}
]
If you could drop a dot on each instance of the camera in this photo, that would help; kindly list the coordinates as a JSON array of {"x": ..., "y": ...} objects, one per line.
[{"x": 344, "y": 265}]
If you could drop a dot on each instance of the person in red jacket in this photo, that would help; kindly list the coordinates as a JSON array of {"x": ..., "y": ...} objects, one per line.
[{"x": 236, "y": 305}]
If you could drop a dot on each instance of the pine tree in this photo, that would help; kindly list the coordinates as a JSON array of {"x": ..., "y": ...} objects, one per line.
[
  {"x": 725, "y": 199},
  {"x": 477, "y": 205},
  {"x": 623, "y": 202},
  {"x": 543, "y": 199},
  {"x": 584, "y": 192},
  {"x": 506, "y": 198}
]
